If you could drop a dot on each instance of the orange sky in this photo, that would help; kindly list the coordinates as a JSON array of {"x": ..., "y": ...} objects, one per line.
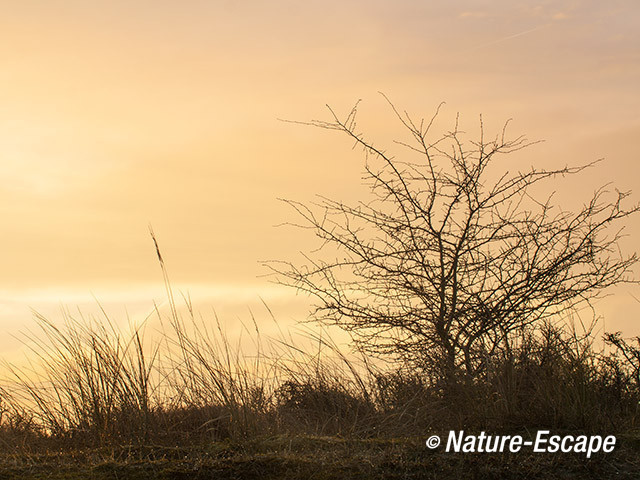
[{"x": 114, "y": 115}]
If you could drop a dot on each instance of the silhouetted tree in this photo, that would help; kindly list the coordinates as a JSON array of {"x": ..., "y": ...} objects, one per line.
[{"x": 447, "y": 259}]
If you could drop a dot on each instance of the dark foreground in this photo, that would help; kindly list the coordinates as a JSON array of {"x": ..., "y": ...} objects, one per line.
[{"x": 319, "y": 458}]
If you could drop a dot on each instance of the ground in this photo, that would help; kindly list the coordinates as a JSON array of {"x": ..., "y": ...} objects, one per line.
[{"x": 320, "y": 458}]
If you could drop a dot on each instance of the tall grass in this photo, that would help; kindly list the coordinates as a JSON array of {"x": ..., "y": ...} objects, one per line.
[
  {"x": 85, "y": 381},
  {"x": 90, "y": 383}
]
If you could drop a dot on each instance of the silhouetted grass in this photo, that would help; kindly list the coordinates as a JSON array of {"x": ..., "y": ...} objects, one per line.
[
  {"x": 90, "y": 384},
  {"x": 136, "y": 400}
]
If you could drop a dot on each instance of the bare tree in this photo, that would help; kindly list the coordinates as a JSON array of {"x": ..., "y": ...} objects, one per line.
[{"x": 444, "y": 263}]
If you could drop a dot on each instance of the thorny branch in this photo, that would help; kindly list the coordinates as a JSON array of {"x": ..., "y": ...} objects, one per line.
[{"x": 442, "y": 264}]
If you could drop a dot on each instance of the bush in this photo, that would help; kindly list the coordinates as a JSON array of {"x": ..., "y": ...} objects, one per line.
[{"x": 99, "y": 387}]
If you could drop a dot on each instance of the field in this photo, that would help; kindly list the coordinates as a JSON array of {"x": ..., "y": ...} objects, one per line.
[
  {"x": 99, "y": 402},
  {"x": 316, "y": 458}
]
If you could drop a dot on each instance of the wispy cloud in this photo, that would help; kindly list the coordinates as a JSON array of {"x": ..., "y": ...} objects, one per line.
[{"x": 507, "y": 38}]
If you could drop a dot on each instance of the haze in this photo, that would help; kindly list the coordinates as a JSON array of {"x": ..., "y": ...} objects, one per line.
[{"x": 116, "y": 115}]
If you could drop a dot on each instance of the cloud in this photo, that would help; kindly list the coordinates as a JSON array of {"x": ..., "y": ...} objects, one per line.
[{"x": 509, "y": 37}]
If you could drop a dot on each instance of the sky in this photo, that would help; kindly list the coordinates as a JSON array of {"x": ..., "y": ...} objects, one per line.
[{"x": 117, "y": 115}]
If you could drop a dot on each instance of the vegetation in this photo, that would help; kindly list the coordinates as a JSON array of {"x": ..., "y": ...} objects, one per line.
[
  {"x": 102, "y": 402},
  {"x": 454, "y": 254},
  {"x": 465, "y": 286}
]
